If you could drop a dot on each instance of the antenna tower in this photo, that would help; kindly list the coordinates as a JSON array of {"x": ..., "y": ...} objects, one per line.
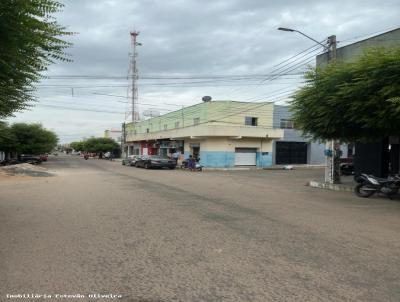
[{"x": 133, "y": 74}]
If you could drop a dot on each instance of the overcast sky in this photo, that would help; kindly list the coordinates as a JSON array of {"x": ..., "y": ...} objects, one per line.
[{"x": 188, "y": 38}]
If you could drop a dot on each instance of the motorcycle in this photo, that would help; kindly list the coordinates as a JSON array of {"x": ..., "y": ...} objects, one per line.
[
  {"x": 369, "y": 184},
  {"x": 185, "y": 165},
  {"x": 86, "y": 157}
]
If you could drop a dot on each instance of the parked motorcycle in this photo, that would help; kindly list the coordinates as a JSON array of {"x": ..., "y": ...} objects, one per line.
[
  {"x": 86, "y": 157},
  {"x": 369, "y": 184}
]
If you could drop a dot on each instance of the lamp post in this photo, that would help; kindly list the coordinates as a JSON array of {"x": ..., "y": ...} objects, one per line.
[
  {"x": 301, "y": 33},
  {"x": 332, "y": 169}
]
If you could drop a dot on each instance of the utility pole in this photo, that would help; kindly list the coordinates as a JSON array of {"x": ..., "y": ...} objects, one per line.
[
  {"x": 133, "y": 73},
  {"x": 124, "y": 153},
  {"x": 332, "y": 149},
  {"x": 332, "y": 170}
]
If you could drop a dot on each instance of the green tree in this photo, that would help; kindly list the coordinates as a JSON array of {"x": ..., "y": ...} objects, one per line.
[
  {"x": 30, "y": 40},
  {"x": 33, "y": 139},
  {"x": 100, "y": 144},
  {"x": 78, "y": 146},
  {"x": 7, "y": 138},
  {"x": 356, "y": 101}
]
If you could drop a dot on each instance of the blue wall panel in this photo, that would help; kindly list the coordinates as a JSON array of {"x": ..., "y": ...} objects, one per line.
[
  {"x": 225, "y": 159},
  {"x": 217, "y": 159},
  {"x": 264, "y": 159}
]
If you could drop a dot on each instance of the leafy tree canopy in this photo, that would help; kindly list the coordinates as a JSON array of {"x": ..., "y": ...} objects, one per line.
[
  {"x": 29, "y": 42},
  {"x": 100, "y": 144},
  {"x": 7, "y": 138},
  {"x": 78, "y": 146},
  {"x": 32, "y": 139},
  {"x": 358, "y": 101}
]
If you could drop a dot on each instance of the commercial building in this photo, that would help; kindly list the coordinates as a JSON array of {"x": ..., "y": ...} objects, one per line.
[{"x": 224, "y": 134}]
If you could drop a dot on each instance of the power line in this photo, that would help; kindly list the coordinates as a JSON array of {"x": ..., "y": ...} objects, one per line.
[
  {"x": 157, "y": 77},
  {"x": 369, "y": 34},
  {"x": 285, "y": 63},
  {"x": 79, "y": 109}
]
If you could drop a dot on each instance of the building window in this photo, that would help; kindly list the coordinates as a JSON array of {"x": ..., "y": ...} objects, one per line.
[
  {"x": 176, "y": 124},
  {"x": 196, "y": 121},
  {"x": 250, "y": 121},
  {"x": 165, "y": 126},
  {"x": 286, "y": 124},
  {"x": 147, "y": 130}
]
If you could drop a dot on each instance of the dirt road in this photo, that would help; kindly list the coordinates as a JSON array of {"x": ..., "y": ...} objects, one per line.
[{"x": 158, "y": 235}]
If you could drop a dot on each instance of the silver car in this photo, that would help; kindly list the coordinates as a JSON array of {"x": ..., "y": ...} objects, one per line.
[{"x": 130, "y": 160}]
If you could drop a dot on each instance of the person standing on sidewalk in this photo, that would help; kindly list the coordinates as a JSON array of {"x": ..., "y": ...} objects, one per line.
[{"x": 191, "y": 163}]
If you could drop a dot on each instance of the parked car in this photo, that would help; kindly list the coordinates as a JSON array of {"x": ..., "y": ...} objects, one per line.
[
  {"x": 8, "y": 162},
  {"x": 43, "y": 157},
  {"x": 155, "y": 161},
  {"x": 30, "y": 159},
  {"x": 130, "y": 160}
]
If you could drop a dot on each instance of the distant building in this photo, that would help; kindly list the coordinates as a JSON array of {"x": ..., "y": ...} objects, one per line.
[
  {"x": 225, "y": 134},
  {"x": 114, "y": 134}
]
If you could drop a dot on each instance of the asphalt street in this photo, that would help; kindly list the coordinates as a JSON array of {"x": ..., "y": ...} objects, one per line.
[{"x": 98, "y": 227}]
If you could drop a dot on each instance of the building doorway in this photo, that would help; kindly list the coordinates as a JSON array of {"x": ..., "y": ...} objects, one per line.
[{"x": 291, "y": 153}]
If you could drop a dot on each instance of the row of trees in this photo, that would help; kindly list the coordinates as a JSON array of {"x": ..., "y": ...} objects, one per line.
[
  {"x": 22, "y": 138},
  {"x": 95, "y": 145}
]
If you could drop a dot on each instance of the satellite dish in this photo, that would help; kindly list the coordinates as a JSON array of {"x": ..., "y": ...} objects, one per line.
[
  {"x": 151, "y": 113},
  {"x": 206, "y": 98}
]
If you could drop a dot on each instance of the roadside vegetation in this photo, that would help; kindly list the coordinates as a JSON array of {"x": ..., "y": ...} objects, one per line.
[
  {"x": 358, "y": 101},
  {"x": 22, "y": 138},
  {"x": 30, "y": 41},
  {"x": 95, "y": 145}
]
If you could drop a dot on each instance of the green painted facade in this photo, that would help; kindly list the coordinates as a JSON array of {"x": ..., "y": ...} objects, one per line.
[{"x": 216, "y": 112}]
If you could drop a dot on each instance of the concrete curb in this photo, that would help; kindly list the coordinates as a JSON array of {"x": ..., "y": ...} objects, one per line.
[
  {"x": 231, "y": 169},
  {"x": 275, "y": 167},
  {"x": 328, "y": 186},
  {"x": 294, "y": 167}
]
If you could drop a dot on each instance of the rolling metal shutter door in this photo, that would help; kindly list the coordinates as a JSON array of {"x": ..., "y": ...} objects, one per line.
[{"x": 245, "y": 157}]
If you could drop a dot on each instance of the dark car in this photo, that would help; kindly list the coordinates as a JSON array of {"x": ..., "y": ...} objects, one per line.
[
  {"x": 30, "y": 159},
  {"x": 8, "y": 162},
  {"x": 155, "y": 161}
]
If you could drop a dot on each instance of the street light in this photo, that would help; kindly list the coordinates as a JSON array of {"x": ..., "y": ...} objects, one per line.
[
  {"x": 301, "y": 33},
  {"x": 332, "y": 171}
]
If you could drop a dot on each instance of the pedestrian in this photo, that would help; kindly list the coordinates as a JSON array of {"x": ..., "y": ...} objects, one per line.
[
  {"x": 175, "y": 156},
  {"x": 191, "y": 163}
]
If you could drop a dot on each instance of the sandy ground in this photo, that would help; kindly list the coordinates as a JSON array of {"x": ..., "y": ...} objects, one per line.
[{"x": 158, "y": 235}]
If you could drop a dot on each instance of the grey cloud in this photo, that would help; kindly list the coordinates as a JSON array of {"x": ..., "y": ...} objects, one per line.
[{"x": 198, "y": 37}]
